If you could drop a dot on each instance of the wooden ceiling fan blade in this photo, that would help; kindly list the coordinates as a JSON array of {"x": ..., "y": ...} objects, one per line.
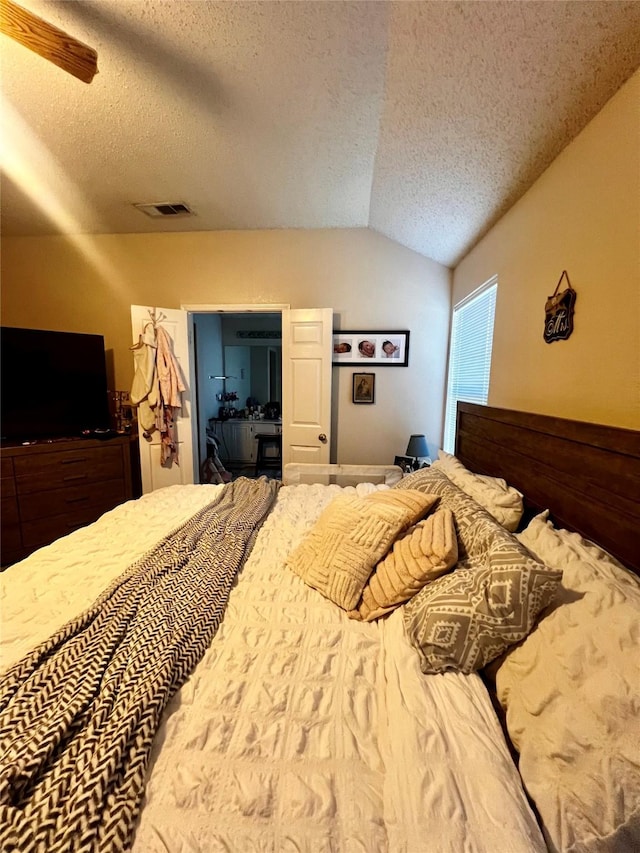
[{"x": 48, "y": 41}]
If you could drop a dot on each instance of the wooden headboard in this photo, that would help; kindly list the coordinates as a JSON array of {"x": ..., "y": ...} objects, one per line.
[{"x": 587, "y": 475}]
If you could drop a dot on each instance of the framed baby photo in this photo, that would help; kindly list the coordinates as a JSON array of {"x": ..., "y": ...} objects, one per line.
[
  {"x": 364, "y": 388},
  {"x": 405, "y": 462},
  {"x": 386, "y": 349}
]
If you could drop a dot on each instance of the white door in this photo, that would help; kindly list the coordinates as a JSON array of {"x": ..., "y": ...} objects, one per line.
[
  {"x": 155, "y": 475},
  {"x": 306, "y": 384}
]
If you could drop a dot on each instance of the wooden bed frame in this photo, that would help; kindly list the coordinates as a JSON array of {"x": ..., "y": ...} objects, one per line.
[{"x": 587, "y": 475}]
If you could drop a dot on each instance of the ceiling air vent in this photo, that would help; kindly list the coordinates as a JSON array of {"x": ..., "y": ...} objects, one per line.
[{"x": 166, "y": 208}]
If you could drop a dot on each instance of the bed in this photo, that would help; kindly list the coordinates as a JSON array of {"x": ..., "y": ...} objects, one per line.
[{"x": 245, "y": 710}]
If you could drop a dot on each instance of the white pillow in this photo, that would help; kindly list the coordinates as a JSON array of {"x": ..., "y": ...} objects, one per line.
[
  {"x": 570, "y": 692},
  {"x": 502, "y": 501}
]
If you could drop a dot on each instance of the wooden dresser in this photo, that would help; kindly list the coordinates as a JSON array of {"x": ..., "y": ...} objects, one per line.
[{"x": 53, "y": 487}]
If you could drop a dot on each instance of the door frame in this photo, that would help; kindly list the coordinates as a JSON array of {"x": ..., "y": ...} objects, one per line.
[{"x": 216, "y": 308}]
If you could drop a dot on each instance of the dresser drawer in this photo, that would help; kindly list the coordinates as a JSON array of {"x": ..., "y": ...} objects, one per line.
[
  {"x": 50, "y": 488},
  {"x": 41, "y": 531},
  {"x": 7, "y": 483},
  {"x": 9, "y": 524},
  {"x": 67, "y": 468},
  {"x": 71, "y": 498}
]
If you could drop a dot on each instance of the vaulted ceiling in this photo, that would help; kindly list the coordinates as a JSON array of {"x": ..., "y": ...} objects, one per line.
[{"x": 424, "y": 121}]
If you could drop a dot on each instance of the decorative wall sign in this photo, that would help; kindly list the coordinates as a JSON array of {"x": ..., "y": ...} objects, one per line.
[
  {"x": 364, "y": 388},
  {"x": 558, "y": 312},
  {"x": 386, "y": 349}
]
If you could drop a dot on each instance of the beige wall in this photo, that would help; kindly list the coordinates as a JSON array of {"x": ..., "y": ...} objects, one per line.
[
  {"x": 582, "y": 215},
  {"x": 369, "y": 281}
]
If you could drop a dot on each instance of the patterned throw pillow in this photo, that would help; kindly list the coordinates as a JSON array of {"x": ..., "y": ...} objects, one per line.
[
  {"x": 424, "y": 553},
  {"x": 466, "y": 619},
  {"x": 491, "y": 601},
  {"x": 351, "y": 535}
]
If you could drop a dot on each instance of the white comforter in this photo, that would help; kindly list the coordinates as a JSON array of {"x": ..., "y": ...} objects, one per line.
[{"x": 300, "y": 730}]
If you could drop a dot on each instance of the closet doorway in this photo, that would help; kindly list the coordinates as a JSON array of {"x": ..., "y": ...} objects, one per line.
[
  {"x": 304, "y": 383},
  {"x": 238, "y": 379}
]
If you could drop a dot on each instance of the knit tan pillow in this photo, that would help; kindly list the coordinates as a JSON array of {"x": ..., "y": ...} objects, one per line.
[
  {"x": 351, "y": 535},
  {"x": 412, "y": 500},
  {"x": 421, "y": 555}
]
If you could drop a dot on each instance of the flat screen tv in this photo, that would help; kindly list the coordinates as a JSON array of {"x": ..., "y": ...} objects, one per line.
[{"x": 52, "y": 384}]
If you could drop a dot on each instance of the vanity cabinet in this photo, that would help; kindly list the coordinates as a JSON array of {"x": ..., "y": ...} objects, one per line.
[{"x": 238, "y": 438}]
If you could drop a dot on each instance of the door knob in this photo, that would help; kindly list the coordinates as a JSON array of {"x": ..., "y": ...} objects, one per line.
[{"x": 323, "y": 438}]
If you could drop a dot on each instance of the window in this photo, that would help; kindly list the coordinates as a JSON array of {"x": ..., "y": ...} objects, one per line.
[{"x": 469, "y": 354}]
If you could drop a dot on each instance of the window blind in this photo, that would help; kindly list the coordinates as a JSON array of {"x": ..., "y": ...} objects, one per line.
[{"x": 469, "y": 354}]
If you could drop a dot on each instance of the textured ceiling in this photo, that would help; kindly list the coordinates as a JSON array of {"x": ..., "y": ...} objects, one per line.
[{"x": 425, "y": 121}]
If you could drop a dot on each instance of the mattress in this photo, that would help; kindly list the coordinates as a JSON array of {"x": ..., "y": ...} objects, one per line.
[{"x": 299, "y": 730}]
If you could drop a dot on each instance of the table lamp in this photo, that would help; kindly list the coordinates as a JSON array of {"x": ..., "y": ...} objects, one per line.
[{"x": 417, "y": 448}]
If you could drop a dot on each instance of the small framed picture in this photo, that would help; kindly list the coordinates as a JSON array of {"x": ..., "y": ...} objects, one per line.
[
  {"x": 364, "y": 387},
  {"x": 386, "y": 349},
  {"x": 404, "y": 462}
]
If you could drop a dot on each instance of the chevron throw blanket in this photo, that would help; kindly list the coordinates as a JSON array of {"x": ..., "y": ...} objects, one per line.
[{"x": 78, "y": 715}]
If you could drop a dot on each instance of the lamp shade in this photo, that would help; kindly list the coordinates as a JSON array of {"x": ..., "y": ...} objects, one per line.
[{"x": 417, "y": 446}]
